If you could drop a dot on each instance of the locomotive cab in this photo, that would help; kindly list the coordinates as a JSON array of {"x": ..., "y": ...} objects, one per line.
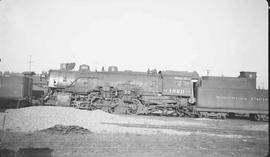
[{"x": 181, "y": 84}]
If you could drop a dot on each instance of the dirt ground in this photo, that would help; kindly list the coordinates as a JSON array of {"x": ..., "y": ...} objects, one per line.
[{"x": 213, "y": 138}]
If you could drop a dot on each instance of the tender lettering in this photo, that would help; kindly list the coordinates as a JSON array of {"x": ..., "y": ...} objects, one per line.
[
  {"x": 258, "y": 99},
  {"x": 241, "y": 98},
  {"x": 176, "y": 91}
]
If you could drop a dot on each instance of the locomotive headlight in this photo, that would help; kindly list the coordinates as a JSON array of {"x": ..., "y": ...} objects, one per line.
[
  {"x": 192, "y": 100},
  {"x": 194, "y": 80}
]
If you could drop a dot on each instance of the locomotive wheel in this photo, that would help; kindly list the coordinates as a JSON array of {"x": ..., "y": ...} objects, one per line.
[
  {"x": 180, "y": 114},
  {"x": 18, "y": 105},
  {"x": 121, "y": 109},
  {"x": 116, "y": 102},
  {"x": 200, "y": 115},
  {"x": 119, "y": 106},
  {"x": 106, "y": 109},
  {"x": 133, "y": 107},
  {"x": 164, "y": 112},
  {"x": 80, "y": 105},
  {"x": 140, "y": 108},
  {"x": 24, "y": 103}
]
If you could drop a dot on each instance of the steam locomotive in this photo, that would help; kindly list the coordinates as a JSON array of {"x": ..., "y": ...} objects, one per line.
[{"x": 177, "y": 93}]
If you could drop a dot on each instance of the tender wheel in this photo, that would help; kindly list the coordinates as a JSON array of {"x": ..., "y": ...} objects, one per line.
[
  {"x": 231, "y": 115},
  {"x": 223, "y": 116},
  {"x": 204, "y": 114},
  {"x": 219, "y": 115},
  {"x": 255, "y": 117}
]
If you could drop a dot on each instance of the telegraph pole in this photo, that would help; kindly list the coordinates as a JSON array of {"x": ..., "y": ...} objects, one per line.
[
  {"x": 30, "y": 62},
  {"x": 207, "y": 72}
]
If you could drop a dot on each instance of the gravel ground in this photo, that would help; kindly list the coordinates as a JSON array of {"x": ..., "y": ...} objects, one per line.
[
  {"x": 42, "y": 117},
  {"x": 129, "y": 135}
]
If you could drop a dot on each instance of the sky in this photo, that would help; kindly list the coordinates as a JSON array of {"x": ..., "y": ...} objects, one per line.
[{"x": 223, "y": 36}]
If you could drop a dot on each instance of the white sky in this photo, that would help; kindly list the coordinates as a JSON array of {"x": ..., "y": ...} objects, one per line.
[{"x": 225, "y": 36}]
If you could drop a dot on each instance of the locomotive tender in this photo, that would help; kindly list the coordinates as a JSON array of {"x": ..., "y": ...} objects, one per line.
[
  {"x": 232, "y": 95},
  {"x": 15, "y": 89},
  {"x": 179, "y": 93}
]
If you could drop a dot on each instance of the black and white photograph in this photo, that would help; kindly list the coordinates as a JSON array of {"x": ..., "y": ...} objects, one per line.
[{"x": 134, "y": 78}]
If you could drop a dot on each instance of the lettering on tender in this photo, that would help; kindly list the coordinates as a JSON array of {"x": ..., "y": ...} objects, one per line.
[{"x": 241, "y": 98}]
